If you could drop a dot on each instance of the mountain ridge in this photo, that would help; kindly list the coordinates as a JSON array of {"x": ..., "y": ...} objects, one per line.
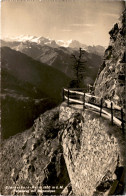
[
  {"x": 74, "y": 44},
  {"x": 28, "y": 89},
  {"x": 57, "y": 57}
]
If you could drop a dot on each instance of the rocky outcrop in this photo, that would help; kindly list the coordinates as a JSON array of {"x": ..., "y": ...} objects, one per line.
[
  {"x": 66, "y": 152},
  {"x": 93, "y": 149},
  {"x": 32, "y": 162},
  {"x": 110, "y": 82}
]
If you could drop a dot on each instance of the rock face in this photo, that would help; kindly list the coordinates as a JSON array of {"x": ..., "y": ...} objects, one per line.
[
  {"x": 92, "y": 149},
  {"x": 34, "y": 159},
  {"x": 110, "y": 82}
]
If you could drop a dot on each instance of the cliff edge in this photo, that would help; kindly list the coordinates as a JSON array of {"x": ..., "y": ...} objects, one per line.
[{"x": 110, "y": 82}]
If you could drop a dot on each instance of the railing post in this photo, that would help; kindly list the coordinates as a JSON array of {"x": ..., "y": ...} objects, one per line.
[
  {"x": 68, "y": 98},
  {"x": 122, "y": 120},
  {"x": 83, "y": 101},
  {"x": 112, "y": 113},
  {"x": 89, "y": 88},
  {"x": 63, "y": 94},
  {"x": 101, "y": 106}
]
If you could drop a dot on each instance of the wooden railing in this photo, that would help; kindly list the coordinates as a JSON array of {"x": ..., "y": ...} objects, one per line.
[{"x": 105, "y": 108}]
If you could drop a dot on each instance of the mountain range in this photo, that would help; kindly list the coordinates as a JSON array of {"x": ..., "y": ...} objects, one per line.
[
  {"x": 74, "y": 44},
  {"x": 56, "y": 55},
  {"x": 34, "y": 72}
]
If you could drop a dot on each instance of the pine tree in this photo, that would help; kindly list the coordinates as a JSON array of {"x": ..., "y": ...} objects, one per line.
[{"x": 79, "y": 69}]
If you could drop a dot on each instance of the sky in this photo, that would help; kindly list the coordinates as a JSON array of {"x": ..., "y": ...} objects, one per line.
[{"x": 87, "y": 21}]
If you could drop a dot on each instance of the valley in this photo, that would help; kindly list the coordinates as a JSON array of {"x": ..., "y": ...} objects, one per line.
[{"x": 34, "y": 72}]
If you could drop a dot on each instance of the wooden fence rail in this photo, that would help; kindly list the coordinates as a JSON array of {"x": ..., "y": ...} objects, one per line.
[{"x": 77, "y": 95}]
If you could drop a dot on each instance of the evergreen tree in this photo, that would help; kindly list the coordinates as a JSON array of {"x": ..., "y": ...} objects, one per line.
[{"x": 79, "y": 69}]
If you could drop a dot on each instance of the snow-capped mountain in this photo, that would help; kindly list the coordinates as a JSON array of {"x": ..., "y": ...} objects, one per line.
[
  {"x": 38, "y": 40},
  {"x": 74, "y": 44},
  {"x": 64, "y": 43},
  {"x": 33, "y": 39},
  {"x": 22, "y": 38}
]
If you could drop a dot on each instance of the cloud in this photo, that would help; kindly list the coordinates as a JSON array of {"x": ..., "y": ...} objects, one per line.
[
  {"x": 87, "y": 32},
  {"x": 82, "y": 25},
  {"x": 65, "y": 30},
  {"x": 110, "y": 15}
]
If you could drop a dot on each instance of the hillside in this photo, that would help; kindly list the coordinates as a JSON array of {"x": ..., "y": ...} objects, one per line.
[
  {"x": 45, "y": 79},
  {"x": 29, "y": 88}
]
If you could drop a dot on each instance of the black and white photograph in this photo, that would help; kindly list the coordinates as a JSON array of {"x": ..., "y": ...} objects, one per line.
[{"x": 63, "y": 117}]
